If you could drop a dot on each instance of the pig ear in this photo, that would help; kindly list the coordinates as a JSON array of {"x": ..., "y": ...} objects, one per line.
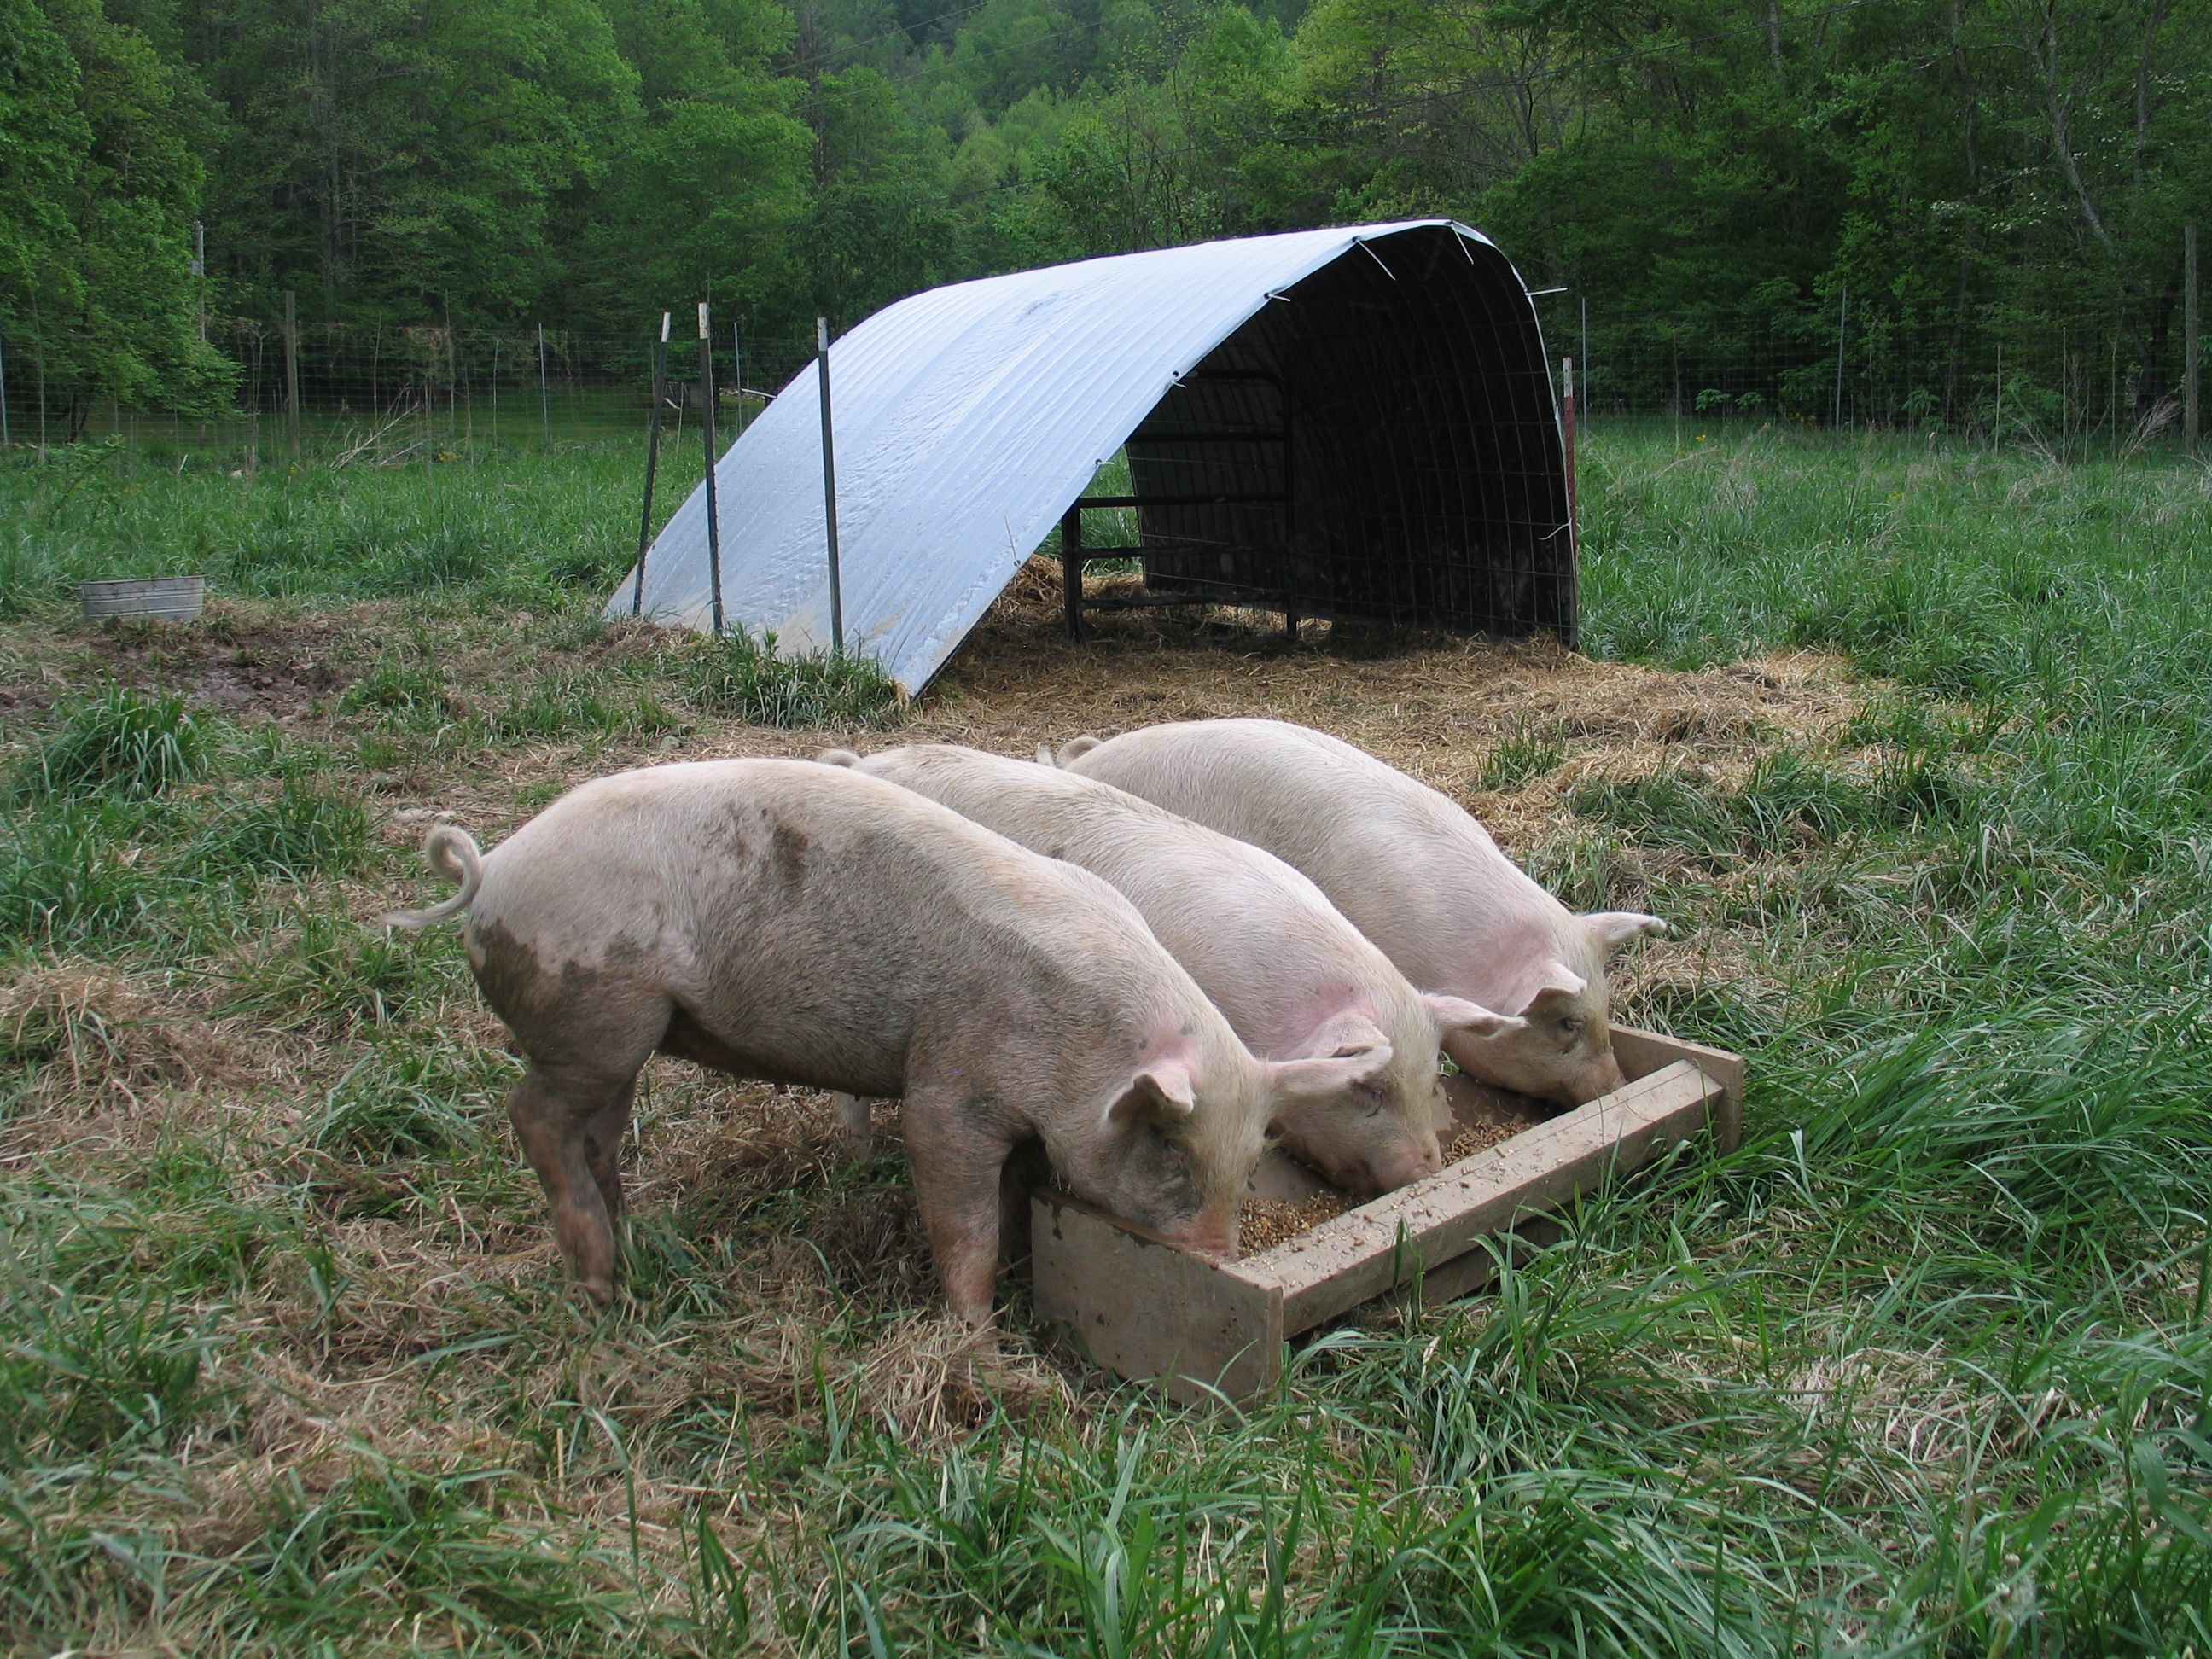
[
  {"x": 1327, "y": 1075},
  {"x": 1044, "y": 755},
  {"x": 1342, "y": 1038},
  {"x": 838, "y": 757},
  {"x": 1552, "y": 1002},
  {"x": 1454, "y": 1014},
  {"x": 1162, "y": 1091},
  {"x": 1614, "y": 928},
  {"x": 1076, "y": 748},
  {"x": 1561, "y": 994}
]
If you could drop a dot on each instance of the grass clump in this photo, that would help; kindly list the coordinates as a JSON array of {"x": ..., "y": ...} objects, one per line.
[
  {"x": 1523, "y": 755},
  {"x": 122, "y": 743},
  {"x": 70, "y": 876},
  {"x": 331, "y": 974},
  {"x": 744, "y": 679},
  {"x": 406, "y": 1098},
  {"x": 303, "y": 829},
  {"x": 568, "y": 705},
  {"x": 409, "y": 696}
]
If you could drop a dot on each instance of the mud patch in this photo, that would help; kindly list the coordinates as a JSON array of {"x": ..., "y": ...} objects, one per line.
[{"x": 238, "y": 660}]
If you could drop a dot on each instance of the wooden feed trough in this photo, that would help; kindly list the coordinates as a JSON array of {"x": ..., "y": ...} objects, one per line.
[{"x": 1144, "y": 1308}]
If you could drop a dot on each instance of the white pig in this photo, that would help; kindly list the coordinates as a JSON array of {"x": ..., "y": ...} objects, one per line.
[
  {"x": 780, "y": 919},
  {"x": 1413, "y": 870},
  {"x": 1293, "y": 977}
]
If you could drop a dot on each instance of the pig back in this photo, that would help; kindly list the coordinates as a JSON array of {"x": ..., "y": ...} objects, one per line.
[
  {"x": 1261, "y": 939},
  {"x": 1409, "y": 867},
  {"x": 816, "y": 922}
]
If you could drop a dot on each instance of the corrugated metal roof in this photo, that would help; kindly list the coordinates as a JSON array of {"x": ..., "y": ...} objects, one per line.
[{"x": 968, "y": 419}]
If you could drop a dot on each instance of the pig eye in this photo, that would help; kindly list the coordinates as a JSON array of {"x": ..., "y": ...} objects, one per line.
[{"x": 1572, "y": 1025}]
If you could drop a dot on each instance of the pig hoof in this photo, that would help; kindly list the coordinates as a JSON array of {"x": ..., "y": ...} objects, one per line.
[{"x": 601, "y": 1291}]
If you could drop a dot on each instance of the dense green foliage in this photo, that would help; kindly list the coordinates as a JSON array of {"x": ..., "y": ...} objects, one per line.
[{"x": 1720, "y": 170}]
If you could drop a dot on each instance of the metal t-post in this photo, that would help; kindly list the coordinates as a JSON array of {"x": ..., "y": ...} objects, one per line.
[
  {"x": 4, "y": 395},
  {"x": 1567, "y": 424},
  {"x": 829, "y": 487},
  {"x": 652, "y": 459},
  {"x": 545, "y": 399},
  {"x": 1842, "y": 323},
  {"x": 707, "y": 431},
  {"x": 2191, "y": 371},
  {"x": 292, "y": 371}
]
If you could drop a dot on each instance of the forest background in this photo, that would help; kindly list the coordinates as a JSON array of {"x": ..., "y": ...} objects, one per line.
[{"x": 1719, "y": 172}]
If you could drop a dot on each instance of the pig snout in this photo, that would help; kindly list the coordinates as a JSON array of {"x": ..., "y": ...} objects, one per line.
[
  {"x": 1212, "y": 1232},
  {"x": 1402, "y": 1169},
  {"x": 1602, "y": 1076},
  {"x": 1386, "y": 1170}
]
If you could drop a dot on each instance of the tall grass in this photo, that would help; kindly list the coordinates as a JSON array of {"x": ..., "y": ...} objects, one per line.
[{"x": 1924, "y": 1369}]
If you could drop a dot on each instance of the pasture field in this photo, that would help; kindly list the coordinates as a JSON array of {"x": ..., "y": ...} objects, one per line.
[{"x": 1914, "y": 745}]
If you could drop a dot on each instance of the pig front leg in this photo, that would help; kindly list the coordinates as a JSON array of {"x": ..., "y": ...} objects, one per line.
[
  {"x": 956, "y": 1183},
  {"x": 853, "y": 1123}
]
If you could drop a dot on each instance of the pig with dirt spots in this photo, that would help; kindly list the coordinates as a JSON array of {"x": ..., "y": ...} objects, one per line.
[
  {"x": 1414, "y": 872},
  {"x": 806, "y": 924},
  {"x": 1294, "y": 978}
]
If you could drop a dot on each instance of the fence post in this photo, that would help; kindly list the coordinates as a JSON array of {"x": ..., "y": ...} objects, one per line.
[
  {"x": 2190, "y": 373},
  {"x": 737, "y": 371},
  {"x": 292, "y": 371},
  {"x": 544, "y": 404},
  {"x": 1572, "y": 633},
  {"x": 1996, "y": 418},
  {"x": 1071, "y": 569},
  {"x": 706, "y": 433},
  {"x": 3, "y": 392},
  {"x": 1843, "y": 324},
  {"x": 1583, "y": 300},
  {"x": 652, "y": 459},
  {"x": 830, "y": 488},
  {"x": 1567, "y": 428}
]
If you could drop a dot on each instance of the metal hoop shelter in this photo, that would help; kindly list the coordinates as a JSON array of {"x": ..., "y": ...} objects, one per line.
[{"x": 1353, "y": 423}]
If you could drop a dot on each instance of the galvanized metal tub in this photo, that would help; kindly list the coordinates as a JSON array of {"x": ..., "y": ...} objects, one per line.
[{"x": 159, "y": 599}]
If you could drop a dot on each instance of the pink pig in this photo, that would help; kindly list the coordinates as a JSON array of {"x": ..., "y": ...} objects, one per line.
[
  {"x": 802, "y": 924},
  {"x": 1413, "y": 870},
  {"x": 1292, "y": 976}
]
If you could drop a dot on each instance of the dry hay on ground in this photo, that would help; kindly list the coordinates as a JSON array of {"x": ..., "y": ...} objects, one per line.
[
  {"x": 1433, "y": 706},
  {"x": 819, "y": 1261}
]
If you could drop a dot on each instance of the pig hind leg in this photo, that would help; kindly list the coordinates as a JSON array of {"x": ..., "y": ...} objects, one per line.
[{"x": 570, "y": 1122}]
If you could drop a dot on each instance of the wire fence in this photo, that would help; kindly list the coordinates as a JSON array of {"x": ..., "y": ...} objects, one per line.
[
  {"x": 375, "y": 396},
  {"x": 2078, "y": 386},
  {"x": 2107, "y": 385}
]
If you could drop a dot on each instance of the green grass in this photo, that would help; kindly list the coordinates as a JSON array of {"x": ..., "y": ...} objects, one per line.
[{"x": 286, "y": 1367}]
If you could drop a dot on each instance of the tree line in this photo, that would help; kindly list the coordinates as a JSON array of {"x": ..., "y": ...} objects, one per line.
[{"x": 1722, "y": 169}]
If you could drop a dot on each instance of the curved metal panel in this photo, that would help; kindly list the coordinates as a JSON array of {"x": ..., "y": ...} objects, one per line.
[{"x": 968, "y": 419}]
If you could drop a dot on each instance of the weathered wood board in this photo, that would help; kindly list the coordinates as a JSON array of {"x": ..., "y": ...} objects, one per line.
[{"x": 1144, "y": 1307}]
